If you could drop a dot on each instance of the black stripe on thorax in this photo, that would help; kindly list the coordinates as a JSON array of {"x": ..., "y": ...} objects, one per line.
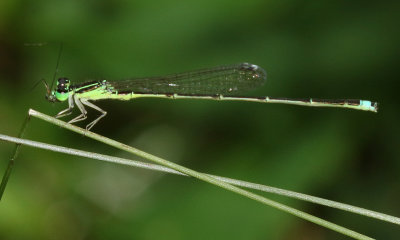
[{"x": 86, "y": 87}]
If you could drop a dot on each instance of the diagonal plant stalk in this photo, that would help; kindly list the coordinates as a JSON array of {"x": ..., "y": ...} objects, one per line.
[
  {"x": 236, "y": 182},
  {"x": 10, "y": 166},
  {"x": 181, "y": 169}
]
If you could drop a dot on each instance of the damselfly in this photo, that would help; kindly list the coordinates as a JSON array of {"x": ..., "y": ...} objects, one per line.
[{"x": 219, "y": 83}]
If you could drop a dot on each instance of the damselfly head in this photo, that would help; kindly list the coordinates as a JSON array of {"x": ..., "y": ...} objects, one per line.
[{"x": 61, "y": 92}]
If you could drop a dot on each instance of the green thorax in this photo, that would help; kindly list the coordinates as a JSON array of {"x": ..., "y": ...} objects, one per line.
[{"x": 93, "y": 90}]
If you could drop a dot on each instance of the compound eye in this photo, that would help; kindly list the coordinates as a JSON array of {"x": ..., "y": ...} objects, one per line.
[{"x": 63, "y": 85}]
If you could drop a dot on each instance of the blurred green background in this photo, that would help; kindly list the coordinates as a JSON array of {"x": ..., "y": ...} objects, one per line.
[{"x": 329, "y": 49}]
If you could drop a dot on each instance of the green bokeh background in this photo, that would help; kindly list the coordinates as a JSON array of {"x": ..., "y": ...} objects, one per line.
[{"x": 329, "y": 49}]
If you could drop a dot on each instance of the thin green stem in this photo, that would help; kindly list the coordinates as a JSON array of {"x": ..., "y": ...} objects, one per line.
[
  {"x": 199, "y": 175},
  {"x": 10, "y": 165},
  {"x": 260, "y": 187}
]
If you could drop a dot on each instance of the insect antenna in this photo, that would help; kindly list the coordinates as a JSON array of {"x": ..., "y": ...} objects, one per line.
[{"x": 58, "y": 63}]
